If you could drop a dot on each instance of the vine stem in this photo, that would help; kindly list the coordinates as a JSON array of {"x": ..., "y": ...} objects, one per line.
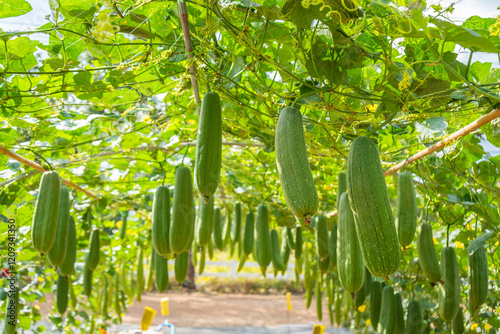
[{"x": 189, "y": 48}]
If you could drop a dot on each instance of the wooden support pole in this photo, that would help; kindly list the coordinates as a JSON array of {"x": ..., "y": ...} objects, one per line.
[
  {"x": 441, "y": 144},
  {"x": 447, "y": 140},
  {"x": 39, "y": 168},
  {"x": 189, "y": 49}
]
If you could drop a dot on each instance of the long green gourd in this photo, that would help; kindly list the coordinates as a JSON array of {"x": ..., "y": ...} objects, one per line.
[
  {"x": 45, "y": 217},
  {"x": 414, "y": 323},
  {"x": 406, "y": 209},
  {"x": 298, "y": 242},
  {"x": 204, "y": 221},
  {"x": 457, "y": 325},
  {"x": 161, "y": 272},
  {"x": 58, "y": 251},
  {"x": 449, "y": 292},
  {"x": 294, "y": 170},
  {"x": 372, "y": 211},
  {"x": 332, "y": 246},
  {"x": 399, "y": 327},
  {"x": 387, "y": 320},
  {"x": 93, "y": 256},
  {"x": 140, "y": 275},
  {"x": 427, "y": 256},
  {"x": 182, "y": 225},
  {"x": 262, "y": 240},
  {"x": 276, "y": 251},
  {"x": 66, "y": 268},
  {"x": 289, "y": 238},
  {"x": 123, "y": 228},
  {"x": 62, "y": 294},
  {"x": 181, "y": 266},
  {"x": 478, "y": 277},
  {"x": 202, "y": 261},
  {"x": 161, "y": 220},
  {"x": 350, "y": 264},
  {"x": 249, "y": 233},
  {"x": 319, "y": 304},
  {"x": 375, "y": 303},
  {"x": 208, "y": 159},
  {"x": 285, "y": 252},
  {"x": 217, "y": 235},
  {"x": 236, "y": 232},
  {"x": 341, "y": 186},
  {"x": 322, "y": 237},
  {"x": 87, "y": 281}
]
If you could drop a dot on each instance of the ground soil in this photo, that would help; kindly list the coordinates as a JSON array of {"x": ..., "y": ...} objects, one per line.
[
  {"x": 219, "y": 310},
  {"x": 205, "y": 310}
]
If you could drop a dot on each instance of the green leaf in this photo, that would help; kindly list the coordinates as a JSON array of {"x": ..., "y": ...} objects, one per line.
[
  {"x": 478, "y": 242},
  {"x": 11, "y": 8},
  {"x": 464, "y": 37}
]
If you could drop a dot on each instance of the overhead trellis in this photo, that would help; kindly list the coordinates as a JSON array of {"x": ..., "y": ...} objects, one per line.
[{"x": 103, "y": 77}]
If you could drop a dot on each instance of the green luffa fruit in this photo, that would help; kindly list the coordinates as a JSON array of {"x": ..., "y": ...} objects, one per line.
[
  {"x": 217, "y": 235},
  {"x": 182, "y": 225},
  {"x": 372, "y": 211},
  {"x": 341, "y": 186},
  {"x": 298, "y": 242},
  {"x": 399, "y": 327},
  {"x": 322, "y": 237},
  {"x": 414, "y": 322},
  {"x": 161, "y": 272},
  {"x": 87, "y": 281},
  {"x": 387, "y": 320},
  {"x": 457, "y": 325},
  {"x": 140, "y": 276},
  {"x": 66, "y": 268},
  {"x": 449, "y": 292},
  {"x": 375, "y": 303},
  {"x": 204, "y": 221},
  {"x": 406, "y": 209},
  {"x": 46, "y": 215},
  {"x": 249, "y": 234},
  {"x": 427, "y": 256},
  {"x": 161, "y": 220},
  {"x": 181, "y": 266},
  {"x": 262, "y": 240},
  {"x": 350, "y": 264},
  {"x": 62, "y": 294},
  {"x": 276, "y": 251},
  {"x": 294, "y": 170},
  {"x": 208, "y": 159},
  {"x": 478, "y": 277},
  {"x": 95, "y": 248},
  {"x": 57, "y": 253}
]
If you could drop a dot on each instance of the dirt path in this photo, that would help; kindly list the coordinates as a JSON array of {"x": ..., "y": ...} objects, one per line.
[{"x": 204, "y": 310}]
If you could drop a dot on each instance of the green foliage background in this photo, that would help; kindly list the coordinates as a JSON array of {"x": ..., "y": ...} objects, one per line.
[{"x": 107, "y": 101}]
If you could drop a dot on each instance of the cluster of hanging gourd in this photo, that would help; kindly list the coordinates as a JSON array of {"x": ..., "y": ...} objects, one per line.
[{"x": 365, "y": 242}]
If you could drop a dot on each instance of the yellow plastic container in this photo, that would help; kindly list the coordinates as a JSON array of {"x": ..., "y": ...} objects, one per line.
[{"x": 147, "y": 318}]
